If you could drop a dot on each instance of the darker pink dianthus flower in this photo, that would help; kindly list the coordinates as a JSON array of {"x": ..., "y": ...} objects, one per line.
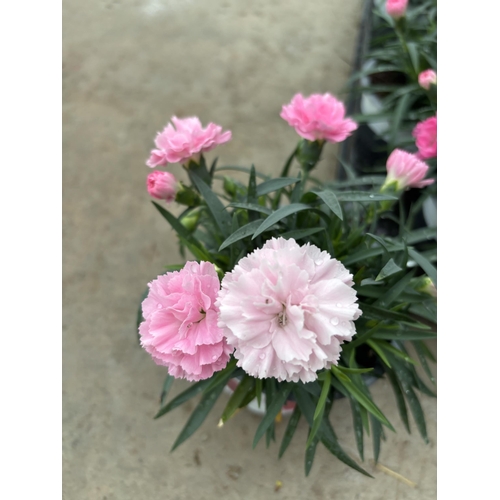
[
  {"x": 180, "y": 328},
  {"x": 425, "y": 134},
  {"x": 287, "y": 309},
  {"x": 186, "y": 141},
  {"x": 427, "y": 78},
  {"x": 318, "y": 117},
  {"x": 405, "y": 170},
  {"x": 396, "y": 8}
]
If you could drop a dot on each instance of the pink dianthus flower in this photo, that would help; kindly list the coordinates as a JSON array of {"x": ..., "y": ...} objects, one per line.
[
  {"x": 406, "y": 170},
  {"x": 427, "y": 78},
  {"x": 396, "y": 8},
  {"x": 180, "y": 328},
  {"x": 425, "y": 134},
  {"x": 318, "y": 117},
  {"x": 287, "y": 309},
  {"x": 162, "y": 185},
  {"x": 186, "y": 141}
]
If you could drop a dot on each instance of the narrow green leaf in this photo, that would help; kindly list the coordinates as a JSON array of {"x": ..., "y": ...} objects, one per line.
[
  {"x": 423, "y": 360},
  {"x": 330, "y": 200},
  {"x": 244, "y": 387},
  {"x": 363, "y": 196},
  {"x": 169, "y": 380},
  {"x": 376, "y": 436},
  {"x": 324, "y": 394},
  {"x": 182, "y": 231},
  {"x": 362, "y": 399},
  {"x": 290, "y": 430},
  {"x": 354, "y": 370},
  {"x": 272, "y": 410},
  {"x": 400, "y": 400},
  {"x": 320, "y": 408},
  {"x": 405, "y": 379},
  {"x": 403, "y": 334},
  {"x": 425, "y": 264},
  {"x": 297, "y": 234},
  {"x": 286, "y": 167},
  {"x": 279, "y": 214},
  {"x": 388, "y": 270},
  {"x": 246, "y": 170},
  {"x": 252, "y": 187},
  {"x": 252, "y": 206},
  {"x": 357, "y": 423},
  {"x": 241, "y": 233},
  {"x": 397, "y": 118},
  {"x": 223, "y": 376},
  {"x": 396, "y": 352},
  {"x": 328, "y": 437},
  {"x": 381, "y": 314},
  {"x": 199, "y": 414},
  {"x": 213, "y": 167},
  {"x": 217, "y": 210},
  {"x": 395, "y": 291},
  {"x": 379, "y": 351},
  {"x": 310, "y": 452},
  {"x": 184, "y": 396},
  {"x": 413, "y": 51},
  {"x": 272, "y": 185},
  {"x": 258, "y": 390}
]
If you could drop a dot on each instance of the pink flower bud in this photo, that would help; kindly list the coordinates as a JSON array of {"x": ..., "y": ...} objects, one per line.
[
  {"x": 427, "y": 78},
  {"x": 396, "y": 8},
  {"x": 162, "y": 185},
  {"x": 405, "y": 170}
]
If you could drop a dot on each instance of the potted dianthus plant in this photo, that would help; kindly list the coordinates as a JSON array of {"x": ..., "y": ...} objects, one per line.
[{"x": 290, "y": 291}]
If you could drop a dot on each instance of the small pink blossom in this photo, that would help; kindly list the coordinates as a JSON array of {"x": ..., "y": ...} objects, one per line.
[
  {"x": 427, "y": 78},
  {"x": 287, "y": 309},
  {"x": 396, "y": 8},
  {"x": 162, "y": 185},
  {"x": 318, "y": 117},
  {"x": 180, "y": 322},
  {"x": 186, "y": 141},
  {"x": 406, "y": 171},
  {"x": 425, "y": 134}
]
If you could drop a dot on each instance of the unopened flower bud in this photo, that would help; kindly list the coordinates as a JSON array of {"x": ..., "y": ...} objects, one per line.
[{"x": 162, "y": 185}]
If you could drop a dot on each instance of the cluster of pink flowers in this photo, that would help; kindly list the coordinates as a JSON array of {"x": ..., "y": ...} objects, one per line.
[
  {"x": 318, "y": 117},
  {"x": 425, "y": 134},
  {"x": 396, "y": 8},
  {"x": 405, "y": 170},
  {"x": 285, "y": 309}
]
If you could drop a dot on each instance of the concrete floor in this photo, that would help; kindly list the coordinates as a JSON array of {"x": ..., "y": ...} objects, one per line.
[{"x": 128, "y": 66}]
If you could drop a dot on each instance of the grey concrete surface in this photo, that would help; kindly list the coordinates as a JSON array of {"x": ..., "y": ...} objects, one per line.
[{"x": 129, "y": 66}]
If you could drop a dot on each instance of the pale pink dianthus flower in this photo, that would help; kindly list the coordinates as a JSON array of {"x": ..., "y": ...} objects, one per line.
[
  {"x": 162, "y": 185},
  {"x": 396, "y": 8},
  {"x": 405, "y": 170},
  {"x": 186, "y": 141},
  {"x": 427, "y": 78},
  {"x": 425, "y": 134},
  {"x": 287, "y": 309},
  {"x": 318, "y": 117},
  {"x": 180, "y": 322}
]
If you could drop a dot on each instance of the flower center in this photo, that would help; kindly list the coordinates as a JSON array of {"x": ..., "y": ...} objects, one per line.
[{"x": 282, "y": 319}]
